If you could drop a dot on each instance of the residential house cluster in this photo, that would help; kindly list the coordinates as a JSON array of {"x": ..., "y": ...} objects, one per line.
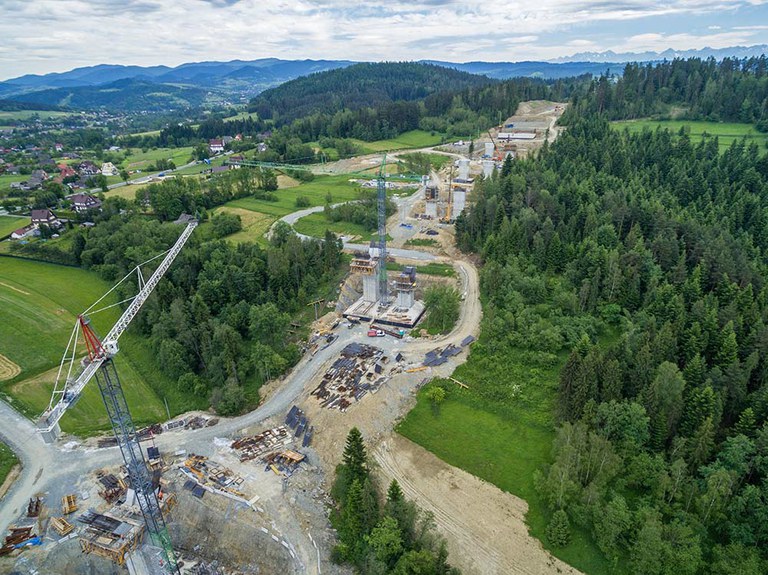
[{"x": 38, "y": 218}]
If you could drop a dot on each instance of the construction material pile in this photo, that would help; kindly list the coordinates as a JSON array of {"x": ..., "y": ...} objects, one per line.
[
  {"x": 211, "y": 474},
  {"x": 298, "y": 422},
  {"x": 439, "y": 356},
  {"x": 255, "y": 446},
  {"x": 144, "y": 434},
  {"x": 114, "y": 488},
  {"x": 283, "y": 463},
  {"x": 350, "y": 377},
  {"x": 109, "y": 536},
  {"x": 19, "y": 537}
]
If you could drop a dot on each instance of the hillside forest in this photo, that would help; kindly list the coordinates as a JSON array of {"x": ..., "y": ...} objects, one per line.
[{"x": 645, "y": 255}]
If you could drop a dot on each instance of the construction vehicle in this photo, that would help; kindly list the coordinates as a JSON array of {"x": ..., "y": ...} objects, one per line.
[{"x": 99, "y": 363}]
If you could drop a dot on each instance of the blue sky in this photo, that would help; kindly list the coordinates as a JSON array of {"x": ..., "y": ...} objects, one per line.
[{"x": 57, "y": 35}]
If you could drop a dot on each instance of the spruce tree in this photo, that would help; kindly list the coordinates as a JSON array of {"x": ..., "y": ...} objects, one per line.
[
  {"x": 559, "y": 529},
  {"x": 354, "y": 458}
]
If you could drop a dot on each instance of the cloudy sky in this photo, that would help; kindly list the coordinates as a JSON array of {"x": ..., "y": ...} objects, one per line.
[{"x": 56, "y": 35}]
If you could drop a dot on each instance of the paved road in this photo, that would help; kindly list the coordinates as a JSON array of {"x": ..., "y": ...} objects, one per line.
[
  {"x": 56, "y": 468},
  {"x": 294, "y": 217}
]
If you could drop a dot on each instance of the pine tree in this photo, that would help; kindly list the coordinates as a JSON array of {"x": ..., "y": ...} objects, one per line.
[
  {"x": 699, "y": 405},
  {"x": 747, "y": 423},
  {"x": 354, "y": 458},
  {"x": 394, "y": 493},
  {"x": 728, "y": 352},
  {"x": 559, "y": 529}
]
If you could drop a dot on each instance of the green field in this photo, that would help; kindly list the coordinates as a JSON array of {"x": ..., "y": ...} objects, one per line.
[
  {"x": 339, "y": 187},
  {"x": 726, "y": 132},
  {"x": 198, "y": 169},
  {"x": 38, "y": 306},
  {"x": 10, "y": 223},
  {"x": 430, "y": 269},
  {"x": 437, "y": 160},
  {"x": 503, "y": 445},
  {"x": 316, "y": 224},
  {"x": 26, "y": 114},
  {"x": 7, "y": 179},
  {"x": 412, "y": 139},
  {"x": 7, "y": 461},
  {"x": 422, "y": 242},
  {"x": 242, "y": 116},
  {"x": 139, "y": 160}
]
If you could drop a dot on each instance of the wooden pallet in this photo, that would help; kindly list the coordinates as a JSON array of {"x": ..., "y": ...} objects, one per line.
[
  {"x": 62, "y": 526},
  {"x": 68, "y": 504}
]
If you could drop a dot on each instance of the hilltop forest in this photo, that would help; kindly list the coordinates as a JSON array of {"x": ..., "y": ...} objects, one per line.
[{"x": 645, "y": 256}]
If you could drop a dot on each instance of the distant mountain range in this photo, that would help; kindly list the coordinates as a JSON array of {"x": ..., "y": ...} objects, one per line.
[
  {"x": 717, "y": 53},
  {"x": 156, "y": 88},
  {"x": 163, "y": 88}
]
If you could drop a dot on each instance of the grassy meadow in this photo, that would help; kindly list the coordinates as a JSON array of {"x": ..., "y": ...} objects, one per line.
[
  {"x": 27, "y": 114},
  {"x": 139, "y": 160},
  {"x": 727, "y": 132},
  {"x": 502, "y": 444},
  {"x": 412, "y": 139},
  {"x": 39, "y": 303},
  {"x": 7, "y": 461},
  {"x": 10, "y": 223}
]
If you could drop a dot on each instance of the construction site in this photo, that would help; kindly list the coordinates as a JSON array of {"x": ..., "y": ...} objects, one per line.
[{"x": 207, "y": 495}]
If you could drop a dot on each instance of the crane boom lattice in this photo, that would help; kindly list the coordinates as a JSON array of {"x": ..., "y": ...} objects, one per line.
[
  {"x": 99, "y": 363},
  {"x": 381, "y": 188},
  {"x": 67, "y": 390}
]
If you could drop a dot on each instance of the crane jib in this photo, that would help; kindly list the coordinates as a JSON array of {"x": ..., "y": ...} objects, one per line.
[{"x": 71, "y": 394}]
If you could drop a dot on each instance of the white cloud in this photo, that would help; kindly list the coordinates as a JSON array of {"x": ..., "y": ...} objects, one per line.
[{"x": 54, "y": 35}]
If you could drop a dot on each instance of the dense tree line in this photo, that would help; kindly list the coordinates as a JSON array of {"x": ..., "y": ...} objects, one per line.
[
  {"x": 397, "y": 538},
  {"x": 220, "y": 319},
  {"x": 364, "y": 211},
  {"x": 454, "y": 112},
  {"x": 173, "y": 197},
  {"x": 645, "y": 254},
  {"x": 365, "y": 85},
  {"x": 727, "y": 90}
]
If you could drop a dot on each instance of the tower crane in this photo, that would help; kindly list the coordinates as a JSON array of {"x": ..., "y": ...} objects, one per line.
[
  {"x": 99, "y": 364},
  {"x": 381, "y": 188}
]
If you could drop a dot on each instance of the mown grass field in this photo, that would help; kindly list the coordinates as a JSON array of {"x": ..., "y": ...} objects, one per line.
[
  {"x": 430, "y": 269},
  {"x": 242, "y": 116},
  {"x": 255, "y": 225},
  {"x": 10, "y": 223},
  {"x": 726, "y": 132},
  {"x": 412, "y": 139},
  {"x": 503, "y": 445},
  {"x": 38, "y": 307},
  {"x": 139, "y": 160},
  {"x": 316, "y": 225},
  {"x": 7, "y": 461},
  {"x": 338, "y": 186},
  {"x": 26, "y": 114},
  {"x": 7, "y": 179}
]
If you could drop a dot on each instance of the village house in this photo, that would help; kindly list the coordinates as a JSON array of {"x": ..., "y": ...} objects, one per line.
[
  {"x": 87, "y": 168},
  {"x": 66, "y": 171},
  {"x": 216, "y": 146},
  {"x": 25, "y": 232},
  {"x": 108, "y": 169},
  {"x": 45, "y": 218},
  {"x": 58, "y": 147},
  {"x": 84, "y": 202}
]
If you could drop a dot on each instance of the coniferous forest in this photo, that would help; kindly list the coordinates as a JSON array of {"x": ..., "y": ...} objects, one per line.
[{"x": 645, "y": 256}]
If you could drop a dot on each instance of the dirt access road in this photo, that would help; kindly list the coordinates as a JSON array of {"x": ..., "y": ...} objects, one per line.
[{"x": 484, "y": 527}]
